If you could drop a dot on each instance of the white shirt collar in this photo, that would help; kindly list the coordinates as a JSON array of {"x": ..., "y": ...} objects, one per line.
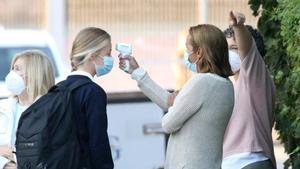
[{"x": 82, "y": 73}]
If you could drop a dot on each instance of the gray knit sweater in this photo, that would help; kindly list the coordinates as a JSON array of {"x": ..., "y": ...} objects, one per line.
[{"x": 196, "y": 121}]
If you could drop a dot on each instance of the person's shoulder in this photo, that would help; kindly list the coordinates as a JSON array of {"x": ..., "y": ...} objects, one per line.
[
  {"x": 89, "y": 86},
  {"x": 90, "y": 89},
  {"x": 93, "y": 90},
  {"x": 197, "y": 80},
  {"x": 208, "y": 82},
  {"x": 210, "y": 78}
]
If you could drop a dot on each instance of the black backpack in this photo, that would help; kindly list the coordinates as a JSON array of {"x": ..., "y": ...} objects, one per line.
[{"x": 46, "y": 135}]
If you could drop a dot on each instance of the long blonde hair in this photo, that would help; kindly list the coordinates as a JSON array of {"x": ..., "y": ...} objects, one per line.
[
  {"x": 213, "y": 43},
  {"x": 39, "y": 73},
  {"x": 87, "y": 41}
]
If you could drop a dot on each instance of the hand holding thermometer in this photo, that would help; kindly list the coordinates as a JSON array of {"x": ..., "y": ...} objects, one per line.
[{"x": 126, "y": 51}]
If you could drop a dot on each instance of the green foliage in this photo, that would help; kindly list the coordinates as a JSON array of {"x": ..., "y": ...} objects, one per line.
[{"x": 280, "y": 25}]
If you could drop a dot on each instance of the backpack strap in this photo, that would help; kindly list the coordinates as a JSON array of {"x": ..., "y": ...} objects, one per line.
[
  {"x": 71, "y": 87},
  {"x": 78, "y": 83}
]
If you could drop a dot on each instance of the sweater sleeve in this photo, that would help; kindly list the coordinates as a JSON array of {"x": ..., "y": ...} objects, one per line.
[
  {"x": 99, "y": 146},
  {"x": 152, "y": 90},
  {"x": 188, "y": 101}
]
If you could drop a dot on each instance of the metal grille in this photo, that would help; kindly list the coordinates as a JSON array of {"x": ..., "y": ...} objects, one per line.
[
  {"x": 219, "y": 9},
  {"x": 24, "y": 14},
  {"x": 153, "y": 27}
]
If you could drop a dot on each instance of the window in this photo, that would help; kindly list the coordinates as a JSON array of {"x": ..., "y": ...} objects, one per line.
[{"x": 7, "y": 54}]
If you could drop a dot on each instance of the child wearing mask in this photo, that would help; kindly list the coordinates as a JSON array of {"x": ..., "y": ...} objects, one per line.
[
  {"x": 248, "y": 140},
  {"x": 30, "y": 76},
  {"x": 90, "y": 56}
]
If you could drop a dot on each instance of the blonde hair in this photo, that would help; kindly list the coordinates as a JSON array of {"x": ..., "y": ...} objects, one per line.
[
  {"x": 87, "y": 41},
  {"x": 39, "y": 74},
  {"x": 213, "y": 43}
]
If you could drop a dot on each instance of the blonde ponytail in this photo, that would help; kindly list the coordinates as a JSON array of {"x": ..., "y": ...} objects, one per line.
[{"x": 87, "y": 41}]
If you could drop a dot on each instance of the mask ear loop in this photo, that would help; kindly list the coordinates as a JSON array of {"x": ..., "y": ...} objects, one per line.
[
  {"x": 198, "y": 59},
  {"x": 199, "y": 54},
  {"x": 197, "y": 64}
]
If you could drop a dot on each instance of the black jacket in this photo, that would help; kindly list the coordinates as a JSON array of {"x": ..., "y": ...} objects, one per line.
[{"x": 89, "y": 103}]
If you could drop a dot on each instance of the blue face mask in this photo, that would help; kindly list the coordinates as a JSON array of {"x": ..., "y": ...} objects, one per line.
[
  {"x": 108, "y": 63},
  {"x": 187, "y": 63}
]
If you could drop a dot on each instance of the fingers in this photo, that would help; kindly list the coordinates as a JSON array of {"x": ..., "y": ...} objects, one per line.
[
  {"x": 236, "y": 18},
  {"x": 122, "y": 65},
  {"x": 232, "y": 15},
  {"x": 128, "y": 63},
  {"x": 232, "y": 19},
  {"x": 123, "y": 56},
  {"x": 126, "y": 57},
  {"x": 123, "y": 61},
  {"x": 133, "y": 62},
  {"x": 241, "y": 18}
]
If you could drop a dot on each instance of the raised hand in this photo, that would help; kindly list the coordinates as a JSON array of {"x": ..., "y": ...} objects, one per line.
[
  {"x": 236, "y": 18},
  {"x": 242, "y": 36},
  {"x": 132, "y": 64}
]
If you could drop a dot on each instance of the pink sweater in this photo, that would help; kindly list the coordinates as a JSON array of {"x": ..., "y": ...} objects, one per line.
[{"x": 250, "y": 126}]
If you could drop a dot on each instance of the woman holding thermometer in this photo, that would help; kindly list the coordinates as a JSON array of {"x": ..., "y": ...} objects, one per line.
[{"x": 201, "y": 111}]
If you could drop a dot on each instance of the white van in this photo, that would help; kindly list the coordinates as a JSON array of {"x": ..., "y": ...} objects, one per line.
[{"x": 14, "y": 41}]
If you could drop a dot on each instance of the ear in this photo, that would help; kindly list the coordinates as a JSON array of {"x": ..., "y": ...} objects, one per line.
[
  {"x": 199, "y": 53},
  {"x": 92, "y": 57}
]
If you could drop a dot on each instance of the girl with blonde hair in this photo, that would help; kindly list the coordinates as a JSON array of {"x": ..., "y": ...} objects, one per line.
[
  {"x": 30, "y": 76},
  {"x": 90, "y": 56}
]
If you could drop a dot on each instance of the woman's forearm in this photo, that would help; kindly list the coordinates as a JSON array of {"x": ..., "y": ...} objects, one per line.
[
  {"x": 243, "y": 40},
  {"x": 156, "y": 93}
]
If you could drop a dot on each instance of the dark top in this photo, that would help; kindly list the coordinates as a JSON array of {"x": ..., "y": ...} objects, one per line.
[{"x": 89, "y": 103}]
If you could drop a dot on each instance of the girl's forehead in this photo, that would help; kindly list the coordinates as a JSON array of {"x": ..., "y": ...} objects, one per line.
[{"x": 19, "y": 62}]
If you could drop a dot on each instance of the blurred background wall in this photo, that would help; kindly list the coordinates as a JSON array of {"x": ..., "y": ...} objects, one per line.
[{"x": 155, "y": 28}]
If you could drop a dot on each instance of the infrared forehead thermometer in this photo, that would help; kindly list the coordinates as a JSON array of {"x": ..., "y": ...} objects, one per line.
[{"x": 125, "y": 50}]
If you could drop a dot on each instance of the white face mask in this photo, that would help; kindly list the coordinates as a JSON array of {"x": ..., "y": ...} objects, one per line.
[
  {"x": 235, "y": 61},
  {"x": 14, "y": 83}
]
